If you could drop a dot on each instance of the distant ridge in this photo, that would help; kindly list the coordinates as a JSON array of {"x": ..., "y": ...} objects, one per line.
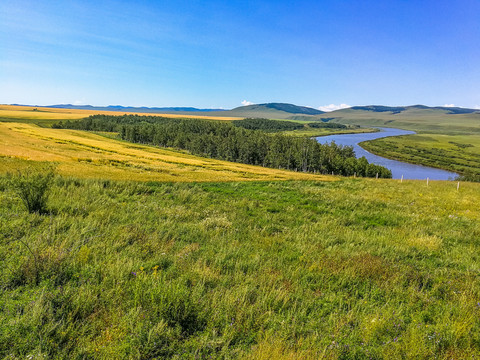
[
  {"x": 142, "y": 109},
  {"x": 288, "y": 108},
  {"x": 399, "y": 109},
  {"x": 285, "y": 111},
  {"x": 267, "y": 110}
]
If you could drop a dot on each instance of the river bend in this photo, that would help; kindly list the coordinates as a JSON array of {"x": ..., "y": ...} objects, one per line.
[{"x": 398, "y": 168}]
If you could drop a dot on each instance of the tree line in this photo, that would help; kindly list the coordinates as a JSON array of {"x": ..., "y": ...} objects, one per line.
[
  {"x": 282, "y": 125},
  {"x": 225, "y": 141}
]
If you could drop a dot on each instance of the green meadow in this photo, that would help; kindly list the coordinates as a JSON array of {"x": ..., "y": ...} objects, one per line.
[
  {"x": 126, "y": 263},
  {"x": 350, "y": 269}
]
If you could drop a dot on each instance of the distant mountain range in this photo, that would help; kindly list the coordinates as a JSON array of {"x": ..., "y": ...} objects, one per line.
[
  {"x": 142, "y": 109},
  {"x": 292, "y": 112},
  {"x": 280, "y": 110}
]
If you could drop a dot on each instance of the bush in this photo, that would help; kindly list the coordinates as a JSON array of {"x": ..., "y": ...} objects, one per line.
[{"x": 33, "y": 187}]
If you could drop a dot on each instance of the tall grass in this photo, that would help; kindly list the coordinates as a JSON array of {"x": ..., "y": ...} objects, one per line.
[
  {"x": 352, "y": 269},
  {"x": 32, "y": 186}
]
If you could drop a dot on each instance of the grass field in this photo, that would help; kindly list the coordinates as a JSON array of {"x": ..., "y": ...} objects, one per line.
[
  {"x": 187, "y": 260},
  {"x": 88, "y": 155},
  {"x": 352, "y": 269}
]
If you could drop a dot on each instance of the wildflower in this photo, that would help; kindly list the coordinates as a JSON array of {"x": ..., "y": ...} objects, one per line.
[{"x": 134, "y": 273}]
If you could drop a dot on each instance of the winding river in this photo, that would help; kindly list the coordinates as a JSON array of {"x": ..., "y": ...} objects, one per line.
[{"x": 398, "y": 168}]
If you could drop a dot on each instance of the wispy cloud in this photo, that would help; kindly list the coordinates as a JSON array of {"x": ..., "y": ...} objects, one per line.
[
  {"x": 333, "y": 107},
  {"x": 246, "y": 103},
  {"x": 449, "y": 105}
]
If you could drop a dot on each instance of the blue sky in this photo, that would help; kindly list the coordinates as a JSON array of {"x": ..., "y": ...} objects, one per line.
[{"x": 222, "y": 53}]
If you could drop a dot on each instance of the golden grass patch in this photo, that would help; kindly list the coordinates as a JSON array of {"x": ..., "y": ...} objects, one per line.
[
  {"x": 88, "y": 155},
  {"x": 46, "y": 113},
  {"x": 428, "y": 242}
]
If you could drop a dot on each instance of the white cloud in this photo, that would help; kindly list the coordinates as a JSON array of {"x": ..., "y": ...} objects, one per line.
[
  {"x": 78, "y": 102},
  {"x": 477, "y": 107},
  {"x": 333, "y": 107},
  {"x": 246, "y": 103},
  {"x": 449, "y": 105}
]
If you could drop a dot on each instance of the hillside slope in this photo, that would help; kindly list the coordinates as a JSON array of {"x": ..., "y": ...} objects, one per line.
[{"x": 88, "y": 155}]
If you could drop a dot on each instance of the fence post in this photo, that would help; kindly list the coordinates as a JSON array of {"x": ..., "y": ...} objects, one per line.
[{"x": 401, "y": 180}]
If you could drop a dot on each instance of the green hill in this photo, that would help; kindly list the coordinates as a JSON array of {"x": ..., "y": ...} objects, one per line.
[
  {"x": 271, "y": 111},
  {"x": 288, "y": 108}
]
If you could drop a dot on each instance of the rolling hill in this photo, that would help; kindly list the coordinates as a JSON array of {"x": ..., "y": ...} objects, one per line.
[{"x": 147, "y": 252}]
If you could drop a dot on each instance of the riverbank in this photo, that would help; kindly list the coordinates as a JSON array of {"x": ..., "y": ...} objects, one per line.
[
  {"x": 458, "y": 153},
  {"x": 399, "y": 169},
  {"x": 313, "y": 133}
]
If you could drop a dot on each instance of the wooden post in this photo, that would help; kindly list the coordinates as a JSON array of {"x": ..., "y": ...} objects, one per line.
[
  {"x": 354, "y": 174},
  {"x": 427, "y": 181},
  {"x": 377, "y": 176},
  {"x": 458, "y": 185},
  {"x": 401, "y": 180},
  {"x": 332, "y": 172}
]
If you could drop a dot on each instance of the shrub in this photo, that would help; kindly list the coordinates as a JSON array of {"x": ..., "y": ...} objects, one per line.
[{"x": 33, "y": 187}]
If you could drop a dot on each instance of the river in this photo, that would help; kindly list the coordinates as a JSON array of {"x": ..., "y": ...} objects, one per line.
[{"x": 398, "y": 168}]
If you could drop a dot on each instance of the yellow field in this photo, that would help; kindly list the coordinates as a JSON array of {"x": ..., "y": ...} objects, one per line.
[
  {"x": 89, "y": 155},
  {"x": 50, "y": 115}
]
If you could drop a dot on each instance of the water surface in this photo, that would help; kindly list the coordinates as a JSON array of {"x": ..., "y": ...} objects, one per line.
[{"x": 398, "y": 168}]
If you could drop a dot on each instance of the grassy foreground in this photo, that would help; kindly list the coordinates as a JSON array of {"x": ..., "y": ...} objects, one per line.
[{"x": 352, "y": 269}]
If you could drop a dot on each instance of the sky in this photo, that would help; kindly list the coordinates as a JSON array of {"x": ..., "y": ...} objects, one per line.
[{"x": 223, "y": 54}]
